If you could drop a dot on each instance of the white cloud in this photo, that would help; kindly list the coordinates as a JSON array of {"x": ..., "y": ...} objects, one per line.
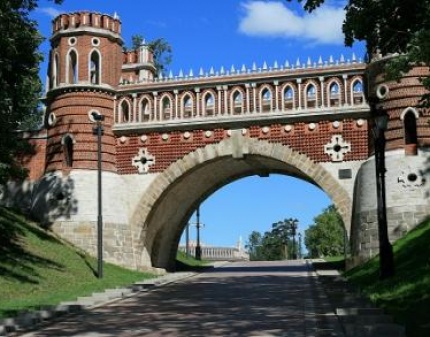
[
  {"x": 50, "y": 11},
  {"x": 274, "y": 19}
]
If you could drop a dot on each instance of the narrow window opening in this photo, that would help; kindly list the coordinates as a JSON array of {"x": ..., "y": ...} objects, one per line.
[
  {"x": 237, "y": 102},
  {"x": 167, "y": 107},
  {"x": 145, "y": 111},
  {"x": 95, "y": 68},
  {"x": 410, "y": 124},
  {"x": 210, "y": 105},
  {"x": 125, "y": 110},
  {"x": 68, "y": 150},
  {"x": 73, "y": 68}
]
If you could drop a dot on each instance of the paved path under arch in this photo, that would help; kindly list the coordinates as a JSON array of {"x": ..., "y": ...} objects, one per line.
[{"x": 237, "y": 299}]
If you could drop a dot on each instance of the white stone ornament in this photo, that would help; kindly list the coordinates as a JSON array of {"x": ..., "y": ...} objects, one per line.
[
  {"x": 336, "y": 124},
  {"x": 337, "y": 148},
  {"x": 144, "y": 138},
  {"x": 360, "y": 122},
  {"x": 312, "y": 126},
  {"x": 411, "y": 178},
  {"x": 143, "y": 161},
  {"x": 265, "y": 129},
  {"x": 164, "y": 136},
  {"x": 123, "y": 139},
  {"x": 187, "y": 135},
  {"x": 208, "y": 134},
  {"x": 288, "y": 128}
]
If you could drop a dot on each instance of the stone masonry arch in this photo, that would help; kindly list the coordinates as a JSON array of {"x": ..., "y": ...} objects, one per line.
[{"x": 162, "y": 213}]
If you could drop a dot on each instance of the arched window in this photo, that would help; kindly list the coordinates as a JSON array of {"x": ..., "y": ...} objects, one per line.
[
  {"x": 55, "y": 72},
  {"x": 334, "y": 94},
  {"x": 166, "y": 108},
  {"x": 357, "y": 87},
  {"x": 187, "y": 106},
  {"x": 334, "y": 89},
  {"x": 266, "y": 100},
  {"x": 410, "y": 125},
  {"x": 311, "y": 92},
  {"x": 95, "y": 70},
  {"x": 72, "y": 67},
  {"x": 67, "y": 141},
  {"x": 237, "y": 99},
  {"x": 357, "y": 92},
  {"x": 145, "y": 110},
  {"x": 125, "y": 112},
  {"x": 288, "y": 98},
  {"x": 311, "y": 96},
  {"x": 209, "y": 104}
]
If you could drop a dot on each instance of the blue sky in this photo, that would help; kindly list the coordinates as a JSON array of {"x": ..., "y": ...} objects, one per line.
[{"x": 206, "y": 34}]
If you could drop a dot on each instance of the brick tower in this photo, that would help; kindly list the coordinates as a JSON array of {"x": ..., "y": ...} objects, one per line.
[{"x": 84, "y": 72}]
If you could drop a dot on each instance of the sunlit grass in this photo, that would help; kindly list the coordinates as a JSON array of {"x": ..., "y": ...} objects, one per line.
[{"x": 406, "y": 295}]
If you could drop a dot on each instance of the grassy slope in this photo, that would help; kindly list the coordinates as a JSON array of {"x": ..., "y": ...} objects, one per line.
[
  {"x": 407, "y": 295},
  {"x": 37, "y": 269}
]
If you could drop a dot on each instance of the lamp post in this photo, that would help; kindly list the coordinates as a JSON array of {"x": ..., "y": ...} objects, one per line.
[
  {"x": 293, "y": 226},
  {"x": 386, "y": 259},
  {"x": 98, "y": 130},
  {"x": 300, "y": 245},
  {"x": 187, "y": 240},
  {"x": 198, "y": 247}
]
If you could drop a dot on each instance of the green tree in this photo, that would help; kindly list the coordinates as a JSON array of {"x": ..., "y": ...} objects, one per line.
[
  {"x": 389, "y": 27},
  {"x": 254, "y": 246},
  {"x": 19, "y": 80},
  {"x": 161, "y": 50},
  {"x": 275, "y": 244},
  {"x": 326, "y": 236}
]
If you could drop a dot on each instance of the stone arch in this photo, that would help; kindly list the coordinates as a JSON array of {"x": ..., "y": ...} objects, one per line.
[{"x": 157, "y": 224}]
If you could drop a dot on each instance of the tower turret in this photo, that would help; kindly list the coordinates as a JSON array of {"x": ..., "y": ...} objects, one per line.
[{"x": 84, "y": 72}]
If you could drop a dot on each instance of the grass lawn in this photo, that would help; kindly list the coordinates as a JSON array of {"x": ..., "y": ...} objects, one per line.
[
  {"x": 406, "y": 296},
  {"x": 37, "y": 269},
  {"x": 190, "y": 263}
]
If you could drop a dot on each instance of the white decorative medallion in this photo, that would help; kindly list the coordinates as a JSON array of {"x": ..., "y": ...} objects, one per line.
[
  {"x": 411, "y": 178},
  {"x": 265, "y": 129},
  {"x": 187, "y": 134},
  {"x": 337, "y": 148},
  {"x": 143, "y": 161},
  {"x": 288, "y": 128},
  {"x": 208, "y": 134},
  {"x": 144, "y": 138}
]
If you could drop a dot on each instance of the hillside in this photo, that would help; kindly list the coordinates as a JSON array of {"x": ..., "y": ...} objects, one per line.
[
  {"x": 38, "y": 269},
  {"x": 406, "y": 296}
]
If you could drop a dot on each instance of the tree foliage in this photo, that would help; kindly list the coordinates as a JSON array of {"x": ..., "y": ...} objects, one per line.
[
  {"x": 161, "y": 50},
  {"x": 326, "y": 236},
  {"x": 19, "y": 80},
  {"x": 276, "y": 244},
  {"x": 389, "y": 27}
]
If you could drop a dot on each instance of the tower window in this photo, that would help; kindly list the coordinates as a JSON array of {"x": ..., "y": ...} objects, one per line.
[
  {"x": 410, "y": 125},
  {"x": 72, "y": 64},
  {"x": 67, "y": 143},
  {"x": 95, "y": 68},
  {"x": 125, "y": 111}
]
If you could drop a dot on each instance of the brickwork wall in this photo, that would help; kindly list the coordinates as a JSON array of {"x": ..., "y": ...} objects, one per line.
[
  {"x": 169, "y": 147},
  {"x": 36, "y": 161},
  {"x": 71, "y": 110}
]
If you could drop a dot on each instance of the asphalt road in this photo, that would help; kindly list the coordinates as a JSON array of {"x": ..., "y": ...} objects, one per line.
[{"x": 238, "y": 299}]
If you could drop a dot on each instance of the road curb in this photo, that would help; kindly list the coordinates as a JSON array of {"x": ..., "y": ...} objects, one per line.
[{"x": 355, "y": 313}]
